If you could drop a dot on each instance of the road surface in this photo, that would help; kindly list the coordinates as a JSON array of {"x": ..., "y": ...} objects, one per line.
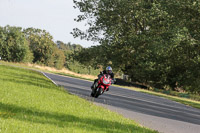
[{"x": 150, "y": 111}]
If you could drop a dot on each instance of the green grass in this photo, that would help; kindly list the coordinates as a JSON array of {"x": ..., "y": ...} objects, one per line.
[
  {"x": 34, "y": 68},
  {"x": 29, "y": 102}
]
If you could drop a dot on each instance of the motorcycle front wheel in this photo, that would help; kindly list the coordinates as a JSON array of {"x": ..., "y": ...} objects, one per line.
[
  {"x": 98, "y": 92},
  {"x": 92, "y": 94}
]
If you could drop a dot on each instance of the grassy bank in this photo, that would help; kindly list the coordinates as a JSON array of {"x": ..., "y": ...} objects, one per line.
[
  {"x": 29, "y": 102},
  {"x": 63, "y": 71}
]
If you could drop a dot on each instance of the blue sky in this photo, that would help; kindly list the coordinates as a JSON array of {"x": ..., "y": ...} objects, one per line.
[{"x": 55, "y": 16}]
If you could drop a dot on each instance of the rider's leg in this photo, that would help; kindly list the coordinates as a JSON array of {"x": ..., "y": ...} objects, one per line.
[{"x": 107, "y": 89}]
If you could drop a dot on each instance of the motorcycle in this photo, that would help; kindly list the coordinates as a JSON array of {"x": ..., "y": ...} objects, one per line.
[{"x": 103, "y": 84}]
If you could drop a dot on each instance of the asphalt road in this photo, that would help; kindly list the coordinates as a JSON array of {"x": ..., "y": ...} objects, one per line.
[{"x": 150, "y": 111}]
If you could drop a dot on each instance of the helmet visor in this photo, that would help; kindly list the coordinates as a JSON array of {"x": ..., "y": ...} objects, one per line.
[{"x": 109, "y": 71}]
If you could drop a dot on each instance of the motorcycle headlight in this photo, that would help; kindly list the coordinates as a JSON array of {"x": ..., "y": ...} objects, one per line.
[{"x": 106, "y": 82}]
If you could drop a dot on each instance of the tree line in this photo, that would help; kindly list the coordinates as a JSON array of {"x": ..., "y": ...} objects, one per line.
[
  {"x": 155, "y": 42},
  {"x": 34, "y": 46}
]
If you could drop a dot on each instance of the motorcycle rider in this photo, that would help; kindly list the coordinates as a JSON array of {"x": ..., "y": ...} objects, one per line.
[{"x": 107, "y": 71}]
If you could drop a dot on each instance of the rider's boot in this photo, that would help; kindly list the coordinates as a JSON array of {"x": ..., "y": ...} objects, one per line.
[
  {"x": 107, "y": 89},
  {"x": 92, "y": 87}
]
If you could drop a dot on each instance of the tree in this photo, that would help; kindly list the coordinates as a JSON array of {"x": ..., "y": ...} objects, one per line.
[
  {"x": 42, "y": 45},
  {"x": 69, "y": 51},
  {"x": 13, "y": 45},
  {"x": 59, "y": 58},
  {"x": 138, "y": 35}
]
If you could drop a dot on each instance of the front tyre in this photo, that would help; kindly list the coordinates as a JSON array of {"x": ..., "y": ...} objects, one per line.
[
  {"x": 92, "y": 94},
  {"x": 98, "y": 92}
]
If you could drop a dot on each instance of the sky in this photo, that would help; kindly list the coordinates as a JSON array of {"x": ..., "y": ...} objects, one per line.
[{"x": 55, "y": 16}]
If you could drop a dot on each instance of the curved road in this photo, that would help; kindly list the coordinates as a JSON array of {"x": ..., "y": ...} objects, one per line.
[{"x": 150, "y": 111}]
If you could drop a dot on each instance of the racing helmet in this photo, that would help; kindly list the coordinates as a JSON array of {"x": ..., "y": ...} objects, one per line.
[{"x": 109, "y": 69}]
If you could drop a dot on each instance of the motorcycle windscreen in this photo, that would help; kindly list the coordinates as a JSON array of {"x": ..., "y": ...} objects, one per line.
[{"x": 106, "y": 81}]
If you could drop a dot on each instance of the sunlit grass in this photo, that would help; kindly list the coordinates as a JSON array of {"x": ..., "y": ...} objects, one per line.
[
  {"x": 63, "y": 71},
  {"x": 29, "y": 102}
]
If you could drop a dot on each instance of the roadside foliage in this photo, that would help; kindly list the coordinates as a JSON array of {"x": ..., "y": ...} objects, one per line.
[
  {"x": 13, "y": 45},
  {"x": 155, "y": 42}
]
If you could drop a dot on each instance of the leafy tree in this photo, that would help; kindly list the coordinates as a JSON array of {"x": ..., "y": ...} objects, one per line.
[
  {"x": 59, "y": 58},
  {"x": 42, "y": 45},
  {"x": 152, "y": 41},
  {"x": 69, "y": 51},
  {"x": 13, "y": 45}
]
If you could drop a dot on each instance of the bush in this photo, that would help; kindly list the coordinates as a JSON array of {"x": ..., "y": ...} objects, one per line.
[
  {"x": 13, "y": 45},
  {"x": 79, "y": 68}
]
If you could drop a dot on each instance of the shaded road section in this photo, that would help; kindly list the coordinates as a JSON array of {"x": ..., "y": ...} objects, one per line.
[{"x": 150, "y": 111}]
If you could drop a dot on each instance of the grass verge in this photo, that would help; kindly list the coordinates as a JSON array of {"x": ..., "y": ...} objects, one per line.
[{"x": 29, "y": 102}]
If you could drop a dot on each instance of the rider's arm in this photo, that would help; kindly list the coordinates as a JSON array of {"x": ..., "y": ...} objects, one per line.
[
  {"x": 112, "y": 75},
  {"x": 101, "y": 74},
  {"x": 113, "y": 79},
  {"x": 104, "y": 72}
]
